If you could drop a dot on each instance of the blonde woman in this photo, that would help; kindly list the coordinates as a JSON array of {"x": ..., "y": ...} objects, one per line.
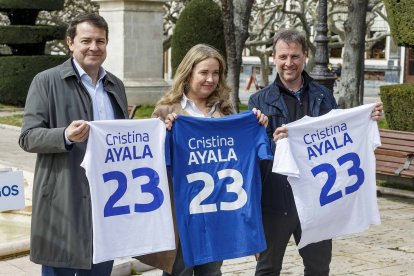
[{"x": 199, "y": 89}]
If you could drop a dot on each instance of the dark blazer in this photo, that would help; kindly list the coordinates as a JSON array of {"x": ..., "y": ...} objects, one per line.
[{"x": 277, "y": 195}]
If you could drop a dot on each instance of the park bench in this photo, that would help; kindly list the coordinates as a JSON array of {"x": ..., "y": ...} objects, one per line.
[
  {"x": 395, "y": 157},
  {"x": 132, "y": 108}
]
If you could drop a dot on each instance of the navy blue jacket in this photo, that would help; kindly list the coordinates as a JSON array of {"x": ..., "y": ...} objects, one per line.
[{"x": 277, "y": 196}]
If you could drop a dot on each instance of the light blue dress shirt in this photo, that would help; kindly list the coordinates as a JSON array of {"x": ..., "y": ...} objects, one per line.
[
  {"x": 102, "y": 107},
  {"x": 101, "y": 104}
]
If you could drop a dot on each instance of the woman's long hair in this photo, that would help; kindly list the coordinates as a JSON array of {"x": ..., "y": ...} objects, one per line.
[{"x": 183, "y": 73}]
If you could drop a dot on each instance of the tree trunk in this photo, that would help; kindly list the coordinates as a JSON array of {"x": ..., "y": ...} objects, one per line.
[
  {"x": 264, "y": 72},
  {"x": 236, "y": 15},
  {"x": 351, "y": 84}
]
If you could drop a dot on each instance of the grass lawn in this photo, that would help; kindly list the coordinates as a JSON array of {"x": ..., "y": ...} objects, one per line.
[
  {"x": 383, "y": 124},
  {"x": 5, "y": 106},
  {"x": 144, "y": 112},
  {"x": 386, "y": 184},
  {"x": 13, "y": 120}
]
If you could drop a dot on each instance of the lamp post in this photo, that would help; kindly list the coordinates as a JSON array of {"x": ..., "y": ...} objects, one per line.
[{"x": 320, "y": 72}]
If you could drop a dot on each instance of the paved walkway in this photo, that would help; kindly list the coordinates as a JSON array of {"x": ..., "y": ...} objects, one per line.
[{"x": 386, "y": 249}]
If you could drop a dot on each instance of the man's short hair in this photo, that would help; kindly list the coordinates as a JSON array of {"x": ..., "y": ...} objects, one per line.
[
  {"x": 290, "y": 36},
  {"x": 92, "y": 18}
]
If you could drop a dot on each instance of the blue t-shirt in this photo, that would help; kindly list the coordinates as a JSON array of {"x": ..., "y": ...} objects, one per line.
[{"x": 217, "y": 186}]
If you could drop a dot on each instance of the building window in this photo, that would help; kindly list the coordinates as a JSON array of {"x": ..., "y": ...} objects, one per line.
[
  {"x": 374, "y": 75},
  {"x": 336, "y": 52},
  {"x": 378, "y": 50}
]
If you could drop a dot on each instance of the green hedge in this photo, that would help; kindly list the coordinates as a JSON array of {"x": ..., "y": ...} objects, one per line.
[
  {"x": 200, "y": 22},
  {"x": 17, "y": 72},
  {"x": 400, "y": 14},
  {"x": 25, "y": 34},
  {"x": 48, "y": 5},
  {"x": 398, "y": 103}
]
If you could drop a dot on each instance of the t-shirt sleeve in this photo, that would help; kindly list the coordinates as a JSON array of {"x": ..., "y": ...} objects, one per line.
[
  {"x": 168, "y": 148},
  {"x": 283, "y": 162},
  {"x": 375, "y": 136},
  {"x": 264, "y": 151}
]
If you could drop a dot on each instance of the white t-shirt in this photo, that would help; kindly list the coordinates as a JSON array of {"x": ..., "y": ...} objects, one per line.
[
  {"x": 131, "y": 209},
  {"x": 330, "y": 164}
]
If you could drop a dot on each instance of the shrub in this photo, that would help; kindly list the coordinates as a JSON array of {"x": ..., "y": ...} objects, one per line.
[
  {"x": 48, "y": 5},
  {"x": 401, "y": 21},
  {"x": 200, "y": 22},
  {"x": 17, "y": 72},
  {"x": 398, "y": 103}
]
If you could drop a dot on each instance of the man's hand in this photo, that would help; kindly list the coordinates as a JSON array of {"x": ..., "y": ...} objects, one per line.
[
  {"x": 377, "y": 112},
  {"x": 280, "y": 133},
  {"x": 78, "y": 131}
]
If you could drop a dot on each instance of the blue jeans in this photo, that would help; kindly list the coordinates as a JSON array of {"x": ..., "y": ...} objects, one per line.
[{"x": 101, "y": 269}]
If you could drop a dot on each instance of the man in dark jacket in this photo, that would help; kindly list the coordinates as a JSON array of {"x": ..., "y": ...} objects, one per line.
[
  {"x": 290, "y": 97},
  {"x": 60, "y": 102}
]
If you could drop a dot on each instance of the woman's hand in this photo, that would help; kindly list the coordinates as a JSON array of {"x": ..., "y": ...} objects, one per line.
[
  {"x": 261, "y": 118},
  {"x": 377, "y": 112},
  {"x": 169, "y": 120}
]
